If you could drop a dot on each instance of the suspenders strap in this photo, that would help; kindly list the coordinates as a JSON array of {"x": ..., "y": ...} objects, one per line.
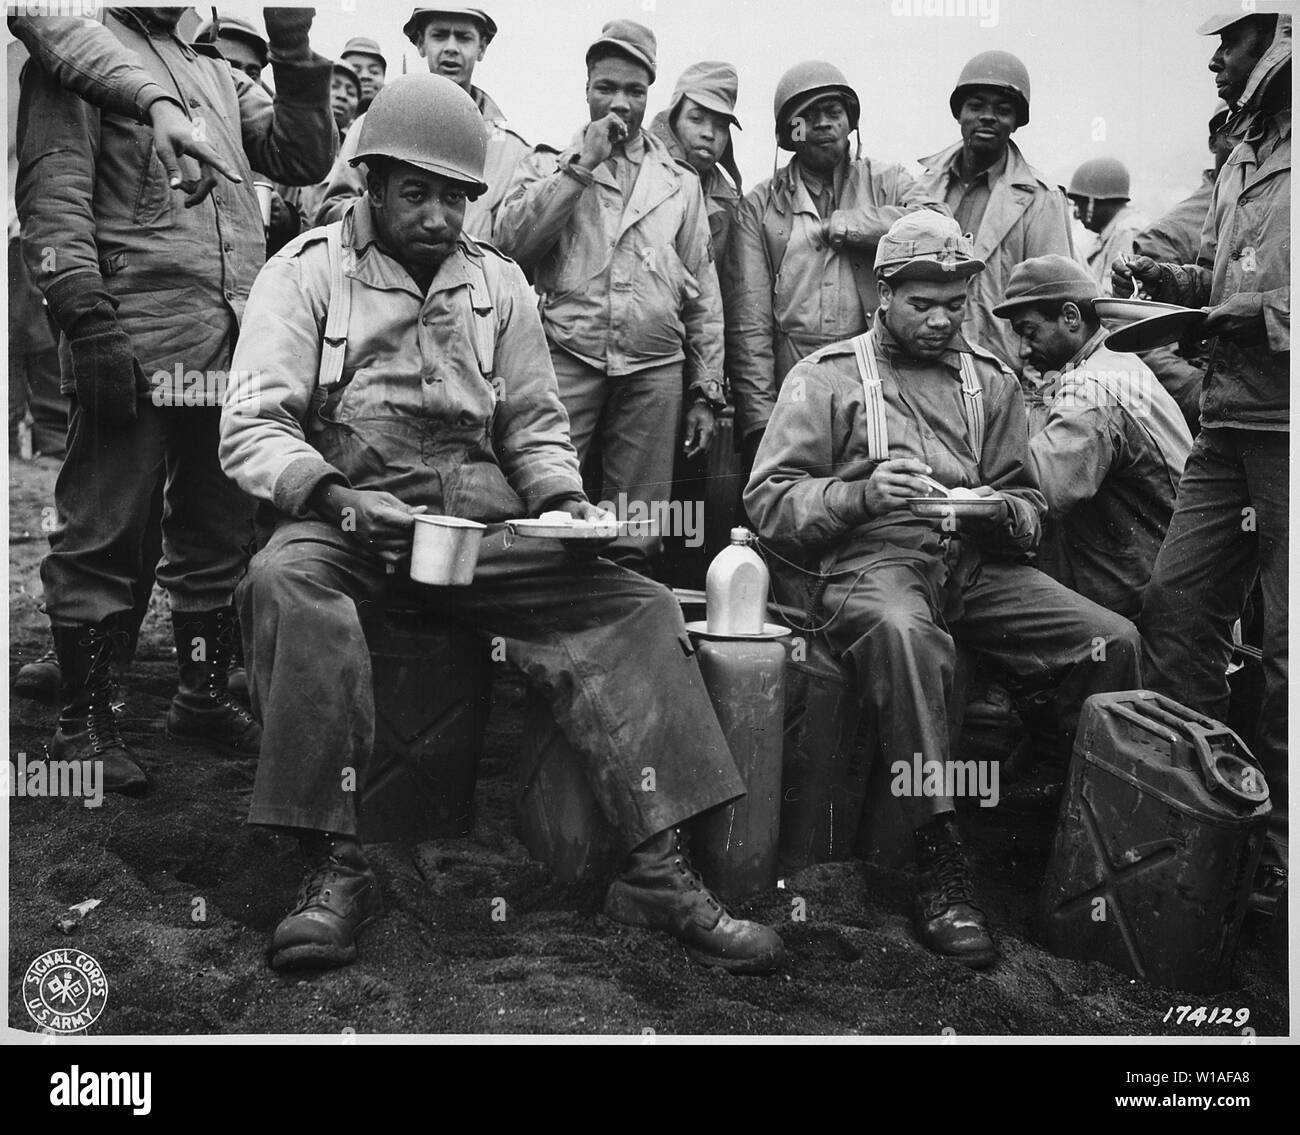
[{"x": 972, "y": 403}]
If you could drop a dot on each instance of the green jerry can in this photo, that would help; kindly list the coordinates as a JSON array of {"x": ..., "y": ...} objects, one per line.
[
  {"x": 734, "y": 846},
  {"x": 742, "y": 662},
  {"x": 433, "y": 690},
  {"x": 1160, "y": 831}
]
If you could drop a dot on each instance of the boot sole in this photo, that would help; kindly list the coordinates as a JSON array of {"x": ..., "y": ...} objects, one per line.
[
  {"x": 212, "y": 746},
  {"x": 319, "y": 955},
  {"x": 314, "y": 955},
  {"x": 132, "y": 788},
  {"x": 763, "y": 964}
]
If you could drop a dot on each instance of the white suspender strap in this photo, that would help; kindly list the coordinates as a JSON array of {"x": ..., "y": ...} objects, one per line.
[
  {"x": 864, "y": 347},
  {"x": 973, "y": 403},
  {"x": 335, "y": 344}
]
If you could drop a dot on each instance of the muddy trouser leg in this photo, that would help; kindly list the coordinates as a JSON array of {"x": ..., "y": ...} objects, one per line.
[
  {"x": 904, "y": 659},
  {"x": 609, "y": 650},
  {"x": 309, "y": 675},
  {"x": 103, "y": 498},
  {"x": 207, "y": 520},
  {"x": 1230, "y": 521},
  {"x": 1039, "y": 628},
  {"x": 1265, "y": 458}
]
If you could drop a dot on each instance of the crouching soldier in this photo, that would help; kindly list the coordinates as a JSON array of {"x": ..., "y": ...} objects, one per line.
[
  {"x": 397, "y": 366},
  {"x": 855, "y": 428},
  {"x": 1110, "y": 442}
]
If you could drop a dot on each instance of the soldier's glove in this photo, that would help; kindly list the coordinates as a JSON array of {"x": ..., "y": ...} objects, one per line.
[
  {"x": 107, "y": 376},
  {"x": 287, "y": 29}
]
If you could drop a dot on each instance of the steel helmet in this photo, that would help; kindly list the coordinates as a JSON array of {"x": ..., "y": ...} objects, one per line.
[
  {"x": 427, "y": 121},
  {"x": 414, "y": 27},
  {"x": 803, "y": 85},
  {"x": 231, "y": 26},
  {"x": 1100, "y": 178},
  {"x": 994, "y": 69}
]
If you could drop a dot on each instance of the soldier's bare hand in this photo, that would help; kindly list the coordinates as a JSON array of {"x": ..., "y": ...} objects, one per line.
[
  {"x": 600, "y": 138},
  {"x": 376, "y": 520},
  {"x": 701, "y": 424},
  {"x": 891, "y": 483},
  {"x": 175, "y": 135}
]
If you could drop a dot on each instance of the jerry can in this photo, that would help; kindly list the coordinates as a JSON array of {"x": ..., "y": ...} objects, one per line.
[
  {"x": 735, "y": 845},
  {"x": 1159, "y": 835},
  {"x": 433, "y": 690},
  {"x": 826, "y": 761}
]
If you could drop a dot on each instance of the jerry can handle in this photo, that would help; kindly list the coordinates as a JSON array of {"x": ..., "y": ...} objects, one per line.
[
  {"x": 1234, "y": 783},
  {"x": 1201, "y": 730}
]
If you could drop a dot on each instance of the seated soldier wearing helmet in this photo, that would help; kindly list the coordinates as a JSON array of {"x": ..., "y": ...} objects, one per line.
[
  {"x": 856, "y": 427},
  {"x": 437, "y": 394}
]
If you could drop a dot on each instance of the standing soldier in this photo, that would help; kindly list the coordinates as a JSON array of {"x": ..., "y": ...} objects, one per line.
[
  {"x": 617, "y": 234},
  {"x": 452, "y": 41},
  {"x": 696, "y": 128},
  {"x": 1099, "y": 191},
  {"x": 1176, "y": 239},
  {"x": 148, "y": 295},
  {"x": 362, "y": 54},
  {"x": 799, "y": 266},
  {"x": 1231, "y": 523},
  {"x": 1011, "y": 211}
]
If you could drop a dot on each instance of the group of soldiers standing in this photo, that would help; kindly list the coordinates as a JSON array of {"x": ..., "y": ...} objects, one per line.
[{"x": 456, "y": 322}]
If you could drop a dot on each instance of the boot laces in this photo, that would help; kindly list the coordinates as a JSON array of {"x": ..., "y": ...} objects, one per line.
[
  {"x": 314, "y": 890},
  {"x": 693, "y": 878},
  {"x": 224, "y": 698},
  {"x": 101, "y": 721},
  {"x": 951, "y": 876}
]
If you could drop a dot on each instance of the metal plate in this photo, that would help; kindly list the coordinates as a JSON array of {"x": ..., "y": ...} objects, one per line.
[
  {"x": 1121, "y": 312},
  {"x": 936, "y": 508},
  {"x": 1158, "y": 331},
  {"x": 770, "y": 631},
  {"x": 567, "y": 530}
]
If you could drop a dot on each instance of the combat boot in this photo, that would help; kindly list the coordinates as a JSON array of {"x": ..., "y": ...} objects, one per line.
[
  {"x": 40, "y": 679},
  {"x": 947, "y": 919},
  {"x": 204, "y": 710},
  {"x": 659, "y": 889},
  {"x": 339, "y": 895},
  {"x": 87, "y": 724}
]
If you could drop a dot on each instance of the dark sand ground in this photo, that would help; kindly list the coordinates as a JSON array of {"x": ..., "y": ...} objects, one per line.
[{"x": 438, "y": 963}]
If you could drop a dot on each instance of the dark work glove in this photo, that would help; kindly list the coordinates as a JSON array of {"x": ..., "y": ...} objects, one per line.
[
  {"x": 108, "y": 379},
  {"x": 287, "y": 28}
]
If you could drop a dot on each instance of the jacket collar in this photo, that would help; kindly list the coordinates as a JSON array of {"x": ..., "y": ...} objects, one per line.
[
  {"x": 378, "y": 269},
  {"x": 1009, "y": 196},
  {"x": 658, "y": 180},
  {"x": 713, "y": 183},
  {"x": 1090, "y": 348},
  {"x": 1018, "y": 171},
  {"x": 487, "y": 106},
  {"x": 137, "y": 23},
  {"x": 789, "y": 188},
  {"x": 893, "y": 350}
]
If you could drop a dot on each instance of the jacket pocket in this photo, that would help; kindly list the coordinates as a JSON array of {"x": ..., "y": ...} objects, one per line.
[{"x": 153, "y": 195}]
